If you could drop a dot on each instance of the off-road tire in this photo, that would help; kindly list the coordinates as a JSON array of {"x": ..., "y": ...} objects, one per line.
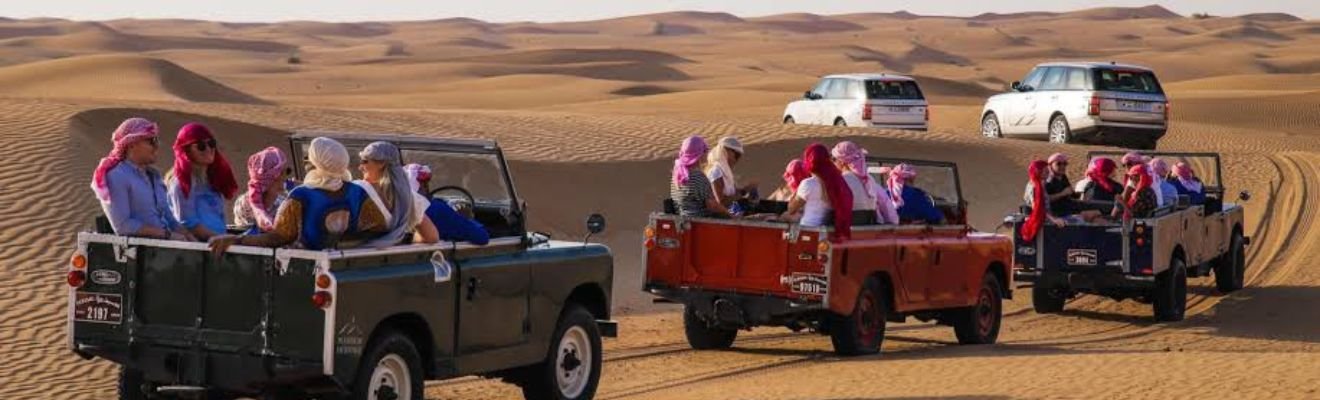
[
  {"x": 990, "y": 126},
  {"x": 1169, "y": 299},
  {"x": 863, "y": 331},
  {"x": 541, "y": 381},
  {"x": 789, "y": 120},
  {"x": 1059, "y": 131},
  {"x": 979, "y": 324},
  {"x": 840, "y": 122},
  {"x": 1045, "y": 300},
  {"x": 702, "y": 336},
  {"x": 390, "y": 343},
  {"x": 1230, "y": 269}
]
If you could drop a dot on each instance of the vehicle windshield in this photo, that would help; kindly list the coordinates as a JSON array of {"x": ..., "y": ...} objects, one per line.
[
  {"x": 481, "y": 174},
  {"x": 1122, "y": 80},
  {"x": 1204, "y": 166},
  {"x": 893, "y": 90},
  {"x": 940, "y": 181}
]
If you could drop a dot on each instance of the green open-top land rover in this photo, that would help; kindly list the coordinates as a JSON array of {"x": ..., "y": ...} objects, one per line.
[{"x": 351, "y": 323}]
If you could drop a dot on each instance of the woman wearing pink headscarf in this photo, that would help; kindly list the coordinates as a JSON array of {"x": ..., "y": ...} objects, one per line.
[
  {"x": 689, "y": 188},
  {"x": 130, "y": 189},
  {"x": 256, "y": 208},
  {"x": 200, "y": 182},
  {"x": 871, "y": 204},
  {"x": 1185, "y": 181},
  {"x": 914, "y": 205},
  {"x": 1159, "y": 170},
  {"x": 794, "y": 173}
]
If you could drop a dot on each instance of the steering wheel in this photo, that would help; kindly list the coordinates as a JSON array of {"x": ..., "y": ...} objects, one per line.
[{"x": 471, "y": 201}]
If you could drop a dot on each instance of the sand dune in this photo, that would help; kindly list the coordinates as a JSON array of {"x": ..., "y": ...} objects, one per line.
[
  {"x": 136, "y": 78},
  {"x": 593, "y": 111}
]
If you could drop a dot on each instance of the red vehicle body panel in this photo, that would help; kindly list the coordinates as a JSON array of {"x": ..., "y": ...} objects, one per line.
[{"x": 927, "y": 268}]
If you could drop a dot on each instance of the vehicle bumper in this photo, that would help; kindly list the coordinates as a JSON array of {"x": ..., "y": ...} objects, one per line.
[
  {"x": 231, "y": 372},
  {"x": 1119, "y": 132},
  {"x": 906, "y": 127},
  {"x": 735, "y": 310},
  {"x": 1099, "y": 280}
]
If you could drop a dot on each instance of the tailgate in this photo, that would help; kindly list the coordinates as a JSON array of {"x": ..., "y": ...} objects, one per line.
[
  {"x": 1132, "y": 108},
  {"x": 168, "y": 294},
  {"x": 898, "y": 112},
  {"x": 1080, "y": 247},
  {"x": 743, "y": 257}
]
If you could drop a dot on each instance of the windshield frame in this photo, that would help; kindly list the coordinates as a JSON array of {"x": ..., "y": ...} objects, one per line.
[
  {"x": 1217, "y": 187},
  {"x": 953, "y": 167}
]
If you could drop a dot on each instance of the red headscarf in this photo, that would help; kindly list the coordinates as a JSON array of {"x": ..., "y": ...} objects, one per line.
[
  {"x": 817, "y": 159},
  {"x": 1142, "y": 184},
  {"x": 1036, "y": 173},
  {"x": 794, "y": 173},
  {"x": 219, "y": 175},
  {"x": 1099, "y": 172}
]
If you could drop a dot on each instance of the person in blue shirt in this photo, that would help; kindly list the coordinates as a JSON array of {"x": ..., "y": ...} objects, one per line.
[
  {"x": 130, "y": 189},
  {"x": 453, "y": 226},
  {"x": 1185, "y": 181},
  {"x": 914, "y": 205},
  {"x": 201, "y": 182}
]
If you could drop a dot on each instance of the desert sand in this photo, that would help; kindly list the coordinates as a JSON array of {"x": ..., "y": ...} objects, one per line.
[{"x": 591, "y": 111}]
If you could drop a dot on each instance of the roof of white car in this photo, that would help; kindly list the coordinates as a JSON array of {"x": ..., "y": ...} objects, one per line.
[
  {"x": 891, "y": 77},
  {"x": 1093, "y": 64}
]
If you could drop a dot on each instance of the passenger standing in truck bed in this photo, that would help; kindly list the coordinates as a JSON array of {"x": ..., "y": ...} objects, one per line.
[
  {"x": 131, "y": 191},
  {"x": 689, "y": 189},
  {"x": 326, "y": 212}
]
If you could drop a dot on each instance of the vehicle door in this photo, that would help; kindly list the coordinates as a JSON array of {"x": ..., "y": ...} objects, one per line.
[
  {"x": 493, "y": 281},
  {"x": 811, "y": 107},
  {"x": 1044, "y": 101},
  {"x": 836, "y": 101},
  {"x": 1021, "y": 102},
  {"x": 951, "y": 266},
  {"x": 914, "y": 264}
]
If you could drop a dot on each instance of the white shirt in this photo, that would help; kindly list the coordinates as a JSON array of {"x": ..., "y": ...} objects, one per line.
[
  {"x": 716, "y": 174},
  {"x": 862, "y": 199},
  {"x": 817, "y": 209}
]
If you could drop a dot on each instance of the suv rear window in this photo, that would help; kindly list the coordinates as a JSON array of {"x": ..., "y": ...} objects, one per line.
[
  {"x": 1119, "y": 80},
  {"x": 898, "y": 90}
]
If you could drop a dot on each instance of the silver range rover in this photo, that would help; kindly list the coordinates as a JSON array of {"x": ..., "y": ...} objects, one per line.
[{"x": 1093, "y": 102}]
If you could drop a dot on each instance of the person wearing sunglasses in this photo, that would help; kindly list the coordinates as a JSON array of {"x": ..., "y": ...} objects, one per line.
[
  {"x": 268, "y": 173},
  {"x": 200, "y": 183},
  {"x": 1138, "y": 195},
  {"x": 130, "y": 189},
  {"x": 1058, "y": 187}
]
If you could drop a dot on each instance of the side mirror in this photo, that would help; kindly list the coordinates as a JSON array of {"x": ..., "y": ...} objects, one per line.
[
  {"x": 596, "y": 224},
  {"x": 1015, "y": 85},
  {"x": 1245, "y": 195},
  {"x": 807, "y": 95}
]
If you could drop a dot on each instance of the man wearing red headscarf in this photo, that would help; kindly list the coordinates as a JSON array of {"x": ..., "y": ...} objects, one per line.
[
  {"x": 201, "y": 182},
  {"x": 824, "y": 198}
]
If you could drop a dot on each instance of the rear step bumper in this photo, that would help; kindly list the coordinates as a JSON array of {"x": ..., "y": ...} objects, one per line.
[
  {"x": 735, "y": 310},
  {"x": 178, "y": 369}
]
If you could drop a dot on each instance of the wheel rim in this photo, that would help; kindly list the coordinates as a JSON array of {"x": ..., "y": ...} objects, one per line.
[
  {"x": 868, "y": 320},
  {"x": 390, "y": 380},
  {"x": 839, "y": 122},
  {"x": 1058, "y": 131},
  {"x": 574, "y": 362},
  {"x": 985, "y": 312},
  {"x": 990, "y": 128}
]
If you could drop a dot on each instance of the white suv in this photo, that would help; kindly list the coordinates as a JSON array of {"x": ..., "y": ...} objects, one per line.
[
  {"x": 864, "y": 100},
  {"x": 1068, "y": 102}
]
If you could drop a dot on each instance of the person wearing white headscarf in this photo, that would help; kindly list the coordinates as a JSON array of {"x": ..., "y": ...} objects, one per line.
[
  {"x": 719, "y": 169},
  {"x": 389, "y": 186},
  {"x": 322, "y": 213}
]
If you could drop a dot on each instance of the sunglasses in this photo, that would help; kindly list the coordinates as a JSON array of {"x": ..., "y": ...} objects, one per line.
[
  {"x": 154, "y": 141},
  {"x": 205, "y": 145}
]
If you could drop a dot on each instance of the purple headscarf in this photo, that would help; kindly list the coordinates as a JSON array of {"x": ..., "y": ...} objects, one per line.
[{"x": 694, "y": 148}]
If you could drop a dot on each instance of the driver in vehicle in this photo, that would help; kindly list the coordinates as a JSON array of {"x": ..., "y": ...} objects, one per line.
[
  {"x": 327, "y": 211},
  {"x": 450, "y": 225},
  {"x": 914, "y": 205},
  {"x": 391, "y": 189}
]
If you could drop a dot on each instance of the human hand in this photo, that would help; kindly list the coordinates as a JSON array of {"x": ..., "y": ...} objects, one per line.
[{"x": 220, "y": 244}]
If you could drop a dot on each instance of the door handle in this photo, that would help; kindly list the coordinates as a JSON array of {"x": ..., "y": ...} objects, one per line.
[{"x": 472, "y": 284}]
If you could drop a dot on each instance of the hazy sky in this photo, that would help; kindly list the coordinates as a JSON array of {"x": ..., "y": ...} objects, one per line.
[{"x": 572, "y": 10}]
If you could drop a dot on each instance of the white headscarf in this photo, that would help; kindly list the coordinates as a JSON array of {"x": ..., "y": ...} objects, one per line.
[
  {"x": 330, "y": 165},
  {"x": 718, "y": 159}
]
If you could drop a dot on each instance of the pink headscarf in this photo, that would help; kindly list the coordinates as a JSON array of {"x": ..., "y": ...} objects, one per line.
[
  {"x": 1099, "y": 172},
  {"x": 264, "y": 168},
  {"x": 219, "y": 174},
  {"x": 854, "y": 157},
  {"x": 694, "y": 148},
  {"x": 899, "y": 175},
  {"x": 130, "y": 132},
  {"x": 1187, "y": 177},
  {"x": 795, "y": 173},
  {"x": 1159, "y": 168},
  {"x": 1132, "y": 158},
  {"x": 1057, "y": 157}
]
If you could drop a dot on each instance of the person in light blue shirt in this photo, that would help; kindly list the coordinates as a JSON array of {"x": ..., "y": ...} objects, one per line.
[
  {"x": 201, "y": 182},
  {"x": 130, "y": 190}
]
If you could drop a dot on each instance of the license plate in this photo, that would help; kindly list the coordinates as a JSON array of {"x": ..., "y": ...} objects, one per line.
[
  {"x": 899, "y": 109},
  {"x": 1134, "y": 106},
  {"x": 808, "y": 284},
  {"x": 100, "y": 308}
]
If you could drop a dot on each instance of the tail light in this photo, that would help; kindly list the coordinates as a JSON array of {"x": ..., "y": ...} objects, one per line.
[
  {"x": 76, "y": 278},
  {"x": 78, "y": 261},
  {"x": 823, "y": 251},
  {"x": 1139, "y": 232},
  {"x": 322, "y": 299},
  {"x": 928, "y": 114},
  {"x": 866, "y": 111},
  {"x": 1094, "y": 109},
  {"x": 1148, "y": 271},
  {"x": 1167, "y": 112},
  {"x": 323, "y": 281},
  {"x": 649, "y": 235}
]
